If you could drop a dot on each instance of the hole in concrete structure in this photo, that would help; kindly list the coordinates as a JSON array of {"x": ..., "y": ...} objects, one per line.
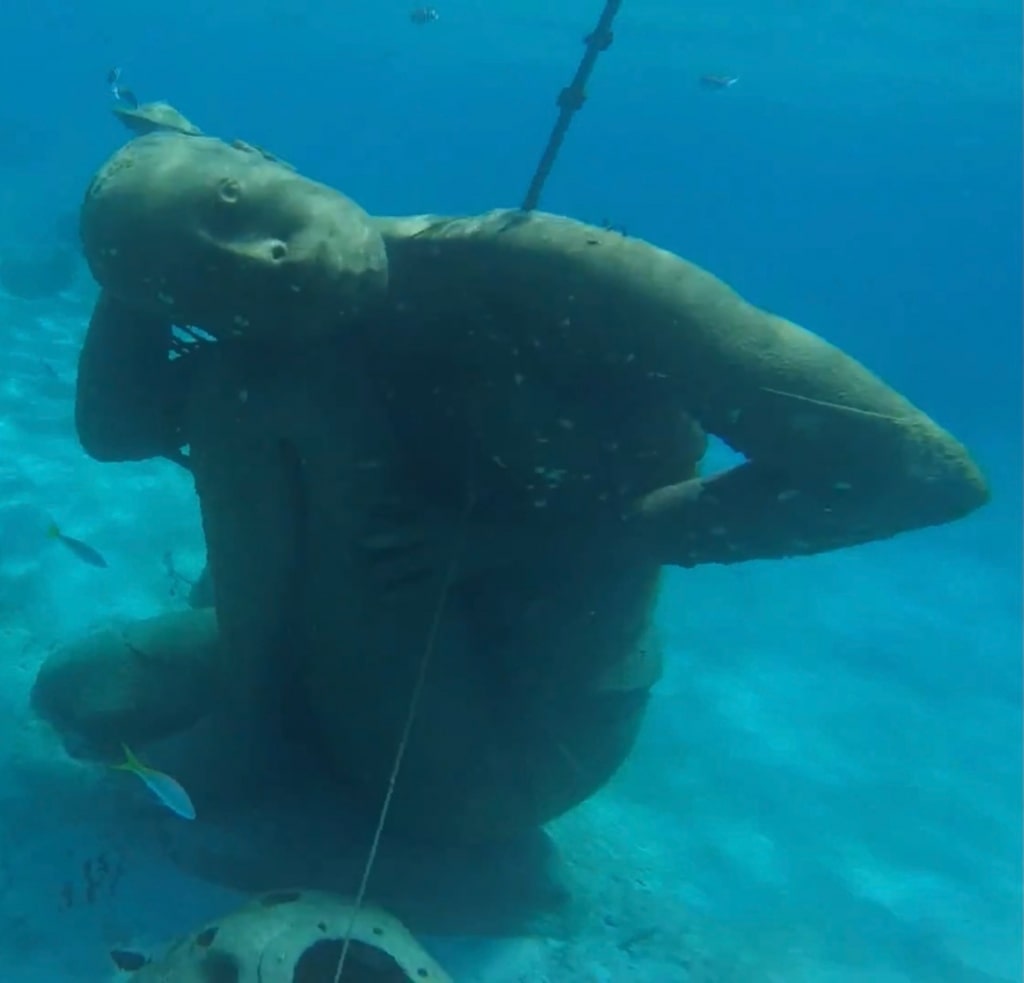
[
  {"x": 363, "y": 964},
  {"x": 205, "y": 938},
  {"x": 219, "y": 967}
]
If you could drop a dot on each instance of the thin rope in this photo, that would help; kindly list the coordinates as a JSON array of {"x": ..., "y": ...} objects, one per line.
[
  {"x": 571, "y": 99},
  {"x": 410, "y": 718},
  {"x": 839, "y": 407}
]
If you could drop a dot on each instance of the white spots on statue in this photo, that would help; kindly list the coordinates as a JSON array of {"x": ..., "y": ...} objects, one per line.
[
  {"x": 566, "y": 424},
  {"x": 497, "y": 460},
  {"x": 243, "y": 395},
  {"x": 165, "y": 298},
  {"x": 842, "y": 486},
  {"x": 295, "y": 288},
  {"x": 788, "y": 495},
  {"x": 519, "y": 378},
  {"x": 239, "y": 321},
  {"x": 733, "y": 416}
]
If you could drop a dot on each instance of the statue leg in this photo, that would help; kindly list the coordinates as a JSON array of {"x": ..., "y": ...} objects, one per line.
[
  {"x": 133, "y": 683},
  {"x": 248, "y": 479},
  {"x": 535, "y": 691}
]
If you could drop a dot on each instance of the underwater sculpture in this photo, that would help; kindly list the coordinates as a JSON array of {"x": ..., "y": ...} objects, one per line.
[
  {"x": 289, "y": 937},
  {"x": 508, "y": 410}
]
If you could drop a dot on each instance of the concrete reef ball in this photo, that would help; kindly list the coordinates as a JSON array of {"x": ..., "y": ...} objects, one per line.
[{"x": 290, "y": 937}]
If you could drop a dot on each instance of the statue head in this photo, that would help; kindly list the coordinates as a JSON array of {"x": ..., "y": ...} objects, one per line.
[{"x": 227, "y": 239}]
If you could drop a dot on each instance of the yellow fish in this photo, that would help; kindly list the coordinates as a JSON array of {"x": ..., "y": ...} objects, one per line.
[
  {"x": 166, "y": 789},
  {"x": 83, "y": 551}
]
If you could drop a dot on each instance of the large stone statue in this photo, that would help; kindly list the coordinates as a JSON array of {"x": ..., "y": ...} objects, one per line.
[{"x": 513, "y": 405}]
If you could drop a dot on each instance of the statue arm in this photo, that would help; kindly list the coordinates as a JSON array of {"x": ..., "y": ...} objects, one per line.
[
  {"x": 834, "y": 456},
  {"x": 128, "y": 394}
]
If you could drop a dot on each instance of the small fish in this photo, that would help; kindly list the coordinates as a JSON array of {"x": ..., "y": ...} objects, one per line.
[
  {"x": 718, "y": 81},
  {"x": 424, "y": 15},
  {"x": 49, "y": 370},
  {"x": 165, "y": 788},
  {"x": 119, "y": 92},
  {"x": 83, "y": 551}
]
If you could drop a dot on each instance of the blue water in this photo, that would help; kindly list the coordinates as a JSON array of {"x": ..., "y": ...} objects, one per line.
[{"x": 828, "y": 787}]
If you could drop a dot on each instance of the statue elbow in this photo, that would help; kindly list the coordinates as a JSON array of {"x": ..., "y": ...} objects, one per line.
[
  {"x": 953, "y": 492},
  {"x": 971, "y": 491}
]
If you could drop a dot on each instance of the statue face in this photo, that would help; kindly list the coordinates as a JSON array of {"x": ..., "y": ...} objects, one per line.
[{"x": 223, "y": 238}]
